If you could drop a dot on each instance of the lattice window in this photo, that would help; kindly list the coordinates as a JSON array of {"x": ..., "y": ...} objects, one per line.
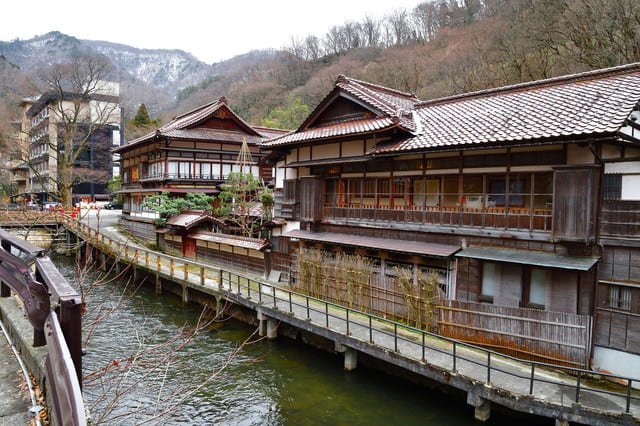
[
  {"x": 620, "y": 297},
  {"x": 612, "y": 187}
]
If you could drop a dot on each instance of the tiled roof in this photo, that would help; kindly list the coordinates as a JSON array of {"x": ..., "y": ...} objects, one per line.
[
  {"x": 346, "y": 128},
  {"x": 388, "y": 100},
  {"x": 575, "y": 106},
  {"x": 184, "y": 127},
  {"x": 212, "y": 134}
]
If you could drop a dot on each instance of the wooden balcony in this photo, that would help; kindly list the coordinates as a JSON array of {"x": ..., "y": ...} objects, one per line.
[
  {"x": 186, "y": 177},
  {"x": 620, "y": 219},
  {"x": 524, "y": 219}
]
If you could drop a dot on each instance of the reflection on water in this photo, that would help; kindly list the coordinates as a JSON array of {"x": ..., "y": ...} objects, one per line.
[{"x": 279, "y": 382}]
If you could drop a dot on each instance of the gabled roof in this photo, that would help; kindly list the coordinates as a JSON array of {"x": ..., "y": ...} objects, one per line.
[
  {"x": 573, "y": 107},
  {"x": 595, "y": 104},
  {"x": 186, "y": 126},
  {"x": 391, "y": 108}
]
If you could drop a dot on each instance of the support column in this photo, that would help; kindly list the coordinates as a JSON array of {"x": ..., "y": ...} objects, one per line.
[
  {"x": 219, "y": 307},
  {"x": 262, "y": 323},
  {"x": 482, "y": 406},
  {"x": 158, "y": 284},
  {"x": 185, "y": 294},
  {"x": 272, "y": 328},
  {"x": 483, "y": 411},
  {"x": 350, "y": 359},
  {"x": 135, "y": 274},
  {"x": 562, "y": 422}
]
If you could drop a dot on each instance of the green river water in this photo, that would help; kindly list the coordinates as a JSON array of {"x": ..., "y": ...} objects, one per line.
[{"x": 279, "y": 382}]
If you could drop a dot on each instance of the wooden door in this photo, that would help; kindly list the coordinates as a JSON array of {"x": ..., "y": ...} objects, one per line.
[{"x": 188, "y": 247}]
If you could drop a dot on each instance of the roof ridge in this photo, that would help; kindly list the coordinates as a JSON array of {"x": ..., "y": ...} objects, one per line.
[
  {"x": 344, "y": 78},
  {"x": 553, "y": 81},
  {"x": 196, "y": 109}
]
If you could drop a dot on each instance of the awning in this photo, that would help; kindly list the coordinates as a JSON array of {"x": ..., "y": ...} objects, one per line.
[
  {"x": 534, "y": 258},
  {"x": 400, "y": 246}
]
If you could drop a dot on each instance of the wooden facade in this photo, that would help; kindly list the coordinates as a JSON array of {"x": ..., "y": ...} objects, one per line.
[{"x": 360, "y": 165}]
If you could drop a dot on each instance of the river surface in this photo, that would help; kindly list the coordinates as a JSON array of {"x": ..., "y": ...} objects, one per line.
[{"x": 279, "y": 382}]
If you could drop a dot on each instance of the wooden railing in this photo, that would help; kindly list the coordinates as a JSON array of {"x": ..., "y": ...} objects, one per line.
[
  {"x": 491, "y": 217},
  {"x": 54, "y": 310}
]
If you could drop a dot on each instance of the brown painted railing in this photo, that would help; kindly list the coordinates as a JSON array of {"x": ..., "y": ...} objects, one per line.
[
  {"x": 481, "y": 364},
  {"x": 54, "y": 309},
  {"x": 492, "y": 217}
]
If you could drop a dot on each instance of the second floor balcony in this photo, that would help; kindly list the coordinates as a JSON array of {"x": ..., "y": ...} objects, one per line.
[{"x": 513, "y": 218}]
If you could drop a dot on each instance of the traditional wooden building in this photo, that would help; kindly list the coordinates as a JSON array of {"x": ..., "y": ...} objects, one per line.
[
  {"x": 194, "y": 152},
  {"x": 523, "y": 201}
]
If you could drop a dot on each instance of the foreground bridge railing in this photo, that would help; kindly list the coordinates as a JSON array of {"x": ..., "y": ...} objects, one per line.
[
  {"x": 54, "y": 309},
  {"x": 526, "y": 378}
]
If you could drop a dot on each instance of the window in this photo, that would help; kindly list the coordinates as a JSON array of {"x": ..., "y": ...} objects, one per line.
[
  {"x": 205, "y": 170},
  {"x": 612, "y": 187},
  {"x": 538, "y": 288},
  {"x": 619, "y": 297},
  {"x": 490, "y": 281}
]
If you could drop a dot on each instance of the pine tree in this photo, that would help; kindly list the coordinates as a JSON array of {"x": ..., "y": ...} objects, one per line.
[{"x": 142, "y": 117}]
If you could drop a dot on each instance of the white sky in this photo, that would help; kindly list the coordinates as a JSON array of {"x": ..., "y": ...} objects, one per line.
[{"x": 212, "y": 30}]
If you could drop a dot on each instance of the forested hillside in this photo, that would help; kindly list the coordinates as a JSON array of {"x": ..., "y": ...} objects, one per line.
[{"x": 438, "y": 48}]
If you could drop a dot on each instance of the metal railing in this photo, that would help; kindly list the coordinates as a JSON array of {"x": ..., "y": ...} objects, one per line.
[
  {"x": 54, "y": 309},
  {"x": 478, "y": 363}
]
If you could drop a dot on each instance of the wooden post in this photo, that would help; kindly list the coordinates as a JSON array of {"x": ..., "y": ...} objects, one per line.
[
  {"x": 186, "y": 271},
  {"x": 202, "y": 276},
  {"x": 146, "y": 259},
  {"x": 171, "y": 267},
  {"x": 126, "y": 252},
  {"x": 158, "y": 263}
]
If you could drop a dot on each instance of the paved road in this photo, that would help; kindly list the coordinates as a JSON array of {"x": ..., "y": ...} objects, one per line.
[{"x": 14, "y": 403}]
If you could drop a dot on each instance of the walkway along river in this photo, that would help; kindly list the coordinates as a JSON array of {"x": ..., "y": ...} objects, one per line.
[
  {"x": 271, "y": 382},
  {"x": 485, "y": 377}
]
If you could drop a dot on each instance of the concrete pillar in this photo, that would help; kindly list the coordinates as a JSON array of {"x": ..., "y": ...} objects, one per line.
[
  {"x": 135, "y": 274},
  {"x": 350, "y": 359},
  {"x": 103, "y": 261},
  {"x": 482, "y": 406},
  {"x": 219, "y": 307},
  {"x": 272, "y": 328},
  {"x": 185, "y": 294},
  {"x": 158, "y": 284},
  {"x": 117, "y": 267},
  {"x": 262, "y": 323},
  {"x": 562, "y": 422},
  {"x": 483, "y": 410}
]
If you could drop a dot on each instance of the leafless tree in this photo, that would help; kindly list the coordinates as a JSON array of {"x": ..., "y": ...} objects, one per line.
[{"x": 82, "y": 111}]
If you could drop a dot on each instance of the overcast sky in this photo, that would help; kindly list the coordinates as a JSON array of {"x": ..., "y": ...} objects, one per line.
[{"x": 211, "y": 30}]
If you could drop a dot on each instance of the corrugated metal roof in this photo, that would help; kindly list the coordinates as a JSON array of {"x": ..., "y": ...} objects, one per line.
[
  {"x": 187, "y": 219},
  {"x": 232, "y": 240},
  {"x": 525, "y": 257},
  {"x": 400, "y": 246}
]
